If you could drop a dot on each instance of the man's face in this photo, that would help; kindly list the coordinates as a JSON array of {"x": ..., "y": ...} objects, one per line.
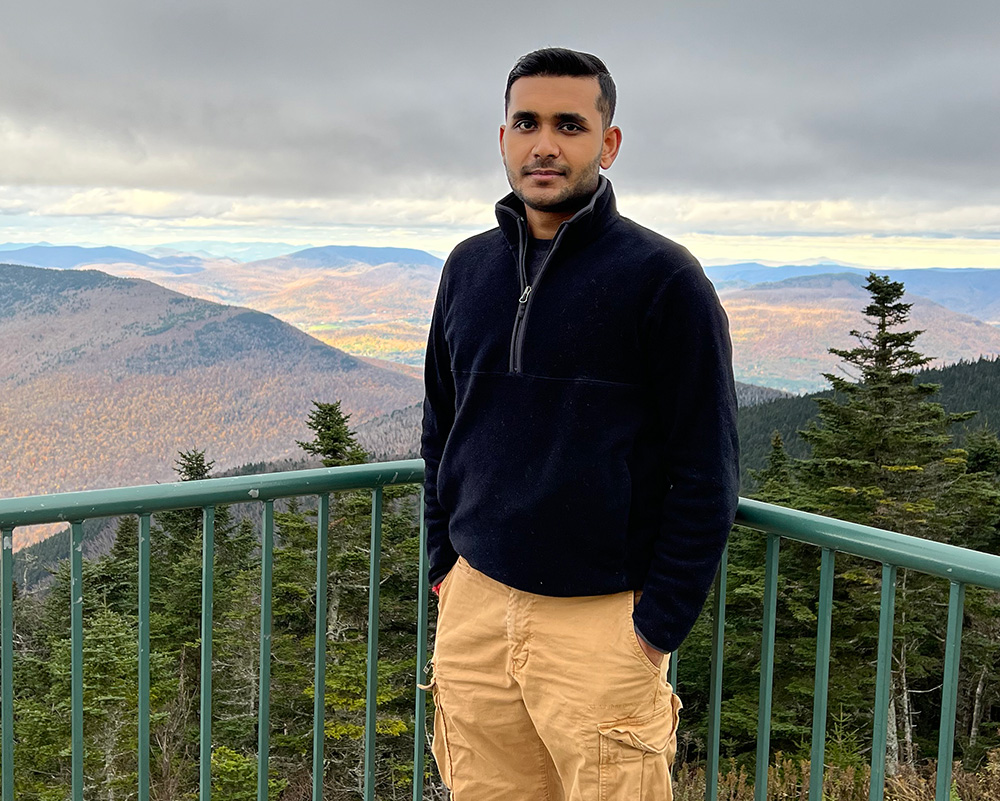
[{"x": 554, "y": 142}]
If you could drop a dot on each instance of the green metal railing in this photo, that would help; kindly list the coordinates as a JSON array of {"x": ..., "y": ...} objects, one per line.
[
  {"x": 958, "y": 566},
  {"x": 75, "y": 507}
]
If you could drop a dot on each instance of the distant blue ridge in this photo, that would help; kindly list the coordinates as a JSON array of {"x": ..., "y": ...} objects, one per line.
[
  {"x": 968, "y": 290},
  {"x": 65, "y": 257},
  {"x": 927, "y": 281},
  {"x": 340, "y": 255},
  {"x": 754, "y": 273}
]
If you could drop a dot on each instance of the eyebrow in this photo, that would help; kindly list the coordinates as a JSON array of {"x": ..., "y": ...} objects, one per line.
[{"x": 561, "y": 117}]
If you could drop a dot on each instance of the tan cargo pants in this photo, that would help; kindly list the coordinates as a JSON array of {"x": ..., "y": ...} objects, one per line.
[{"x": 547, "y": 699}]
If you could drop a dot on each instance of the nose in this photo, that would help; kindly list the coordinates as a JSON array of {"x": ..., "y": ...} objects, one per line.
[{"x": 546, "y": 145}]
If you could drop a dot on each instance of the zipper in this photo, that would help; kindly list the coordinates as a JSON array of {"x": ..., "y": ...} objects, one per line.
[
  {"x": 524, "y": 303},
  {"x": 522, "y": 275},
  {"x": 516, "y": 336}
]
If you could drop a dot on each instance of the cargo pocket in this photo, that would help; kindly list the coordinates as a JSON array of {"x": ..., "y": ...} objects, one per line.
[
  {"x": 636, "y": 754},
  {"x": 439, "y": 741}
]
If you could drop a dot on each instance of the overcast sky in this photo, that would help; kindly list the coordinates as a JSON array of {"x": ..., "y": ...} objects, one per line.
[{"x": 866, "y": 132}]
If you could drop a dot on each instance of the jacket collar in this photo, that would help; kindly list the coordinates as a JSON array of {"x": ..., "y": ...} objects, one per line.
[{"x": 581, "y": 228}]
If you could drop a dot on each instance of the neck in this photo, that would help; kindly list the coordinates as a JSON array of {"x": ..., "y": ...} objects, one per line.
[{"x": 544, "y": 224}]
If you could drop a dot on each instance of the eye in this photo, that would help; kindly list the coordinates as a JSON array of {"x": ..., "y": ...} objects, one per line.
[
  {"x": 523, "y": 125},
  {"x": 571, "y": 127}
]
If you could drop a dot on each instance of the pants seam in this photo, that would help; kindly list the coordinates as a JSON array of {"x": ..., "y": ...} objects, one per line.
[{"x": 545, "y": 773}]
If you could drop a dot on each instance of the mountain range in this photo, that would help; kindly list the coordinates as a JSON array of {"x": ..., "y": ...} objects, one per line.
[
  {"x": 376, "y": 302},
  {"x": 104, "y": 378}
]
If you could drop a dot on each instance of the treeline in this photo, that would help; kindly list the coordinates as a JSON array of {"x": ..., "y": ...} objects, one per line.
[
  {"x": 42, "y": 650},
  {"x": 35, "y": 565},
  {"x": 962, "y": 386}
]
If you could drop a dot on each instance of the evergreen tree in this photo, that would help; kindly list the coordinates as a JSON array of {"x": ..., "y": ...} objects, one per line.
[
  {"x": 983, "y": 449},
  {"x": 981, "y": 641},
  {"x": 334, "y": 441},
  {"x": 882, "y": 455},
  {"x": 110, "y": 654},
  {"x": 882, "y": 450},
  {"x": 775, "y": 481}
]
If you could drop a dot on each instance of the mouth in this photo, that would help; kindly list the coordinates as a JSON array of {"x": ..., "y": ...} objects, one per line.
[{"x": 544, "y": 173}]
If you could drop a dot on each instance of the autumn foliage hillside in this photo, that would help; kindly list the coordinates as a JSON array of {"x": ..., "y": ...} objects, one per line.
[
  {"x": 369, "y": 301},
  {"x": 103, "y": 380}
]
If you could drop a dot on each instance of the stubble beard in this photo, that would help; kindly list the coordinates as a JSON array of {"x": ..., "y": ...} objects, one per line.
[{"x": 574, "y": 196}]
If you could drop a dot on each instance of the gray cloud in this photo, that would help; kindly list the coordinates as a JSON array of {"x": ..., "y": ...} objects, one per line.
[{"x": 743, "y": 100}]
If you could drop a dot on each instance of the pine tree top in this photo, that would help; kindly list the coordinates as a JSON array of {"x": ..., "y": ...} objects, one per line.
[{"x": 334, "y": 442}]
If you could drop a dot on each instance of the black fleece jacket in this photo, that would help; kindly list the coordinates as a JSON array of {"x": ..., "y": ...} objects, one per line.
[{"x": 580, "y": 434}]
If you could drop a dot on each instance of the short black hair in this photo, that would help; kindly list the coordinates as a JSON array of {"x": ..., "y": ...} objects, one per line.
[{"x": 556, "y": 62}]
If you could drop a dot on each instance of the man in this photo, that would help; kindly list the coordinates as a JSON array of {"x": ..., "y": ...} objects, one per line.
[{"x": 581, "y": 466}]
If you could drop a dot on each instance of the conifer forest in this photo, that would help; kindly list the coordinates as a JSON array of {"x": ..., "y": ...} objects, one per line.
[{"x": 878, "y": 448}]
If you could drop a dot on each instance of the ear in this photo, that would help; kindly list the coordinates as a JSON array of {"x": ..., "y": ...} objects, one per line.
[
  {"x": 609, "y": 148},
  {"x": 502, "y": 153}
]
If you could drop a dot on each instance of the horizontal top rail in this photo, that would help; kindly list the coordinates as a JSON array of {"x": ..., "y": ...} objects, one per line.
[
  {"x": 926, "y": 556},
  {"x": 75, "y": 506},
  {"x": 934, "y": 558}
]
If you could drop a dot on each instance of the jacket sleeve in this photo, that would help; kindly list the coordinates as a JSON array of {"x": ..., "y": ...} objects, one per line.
[
  {"x": 439, "y": 416},
  {"x": 689, "y": 358}
]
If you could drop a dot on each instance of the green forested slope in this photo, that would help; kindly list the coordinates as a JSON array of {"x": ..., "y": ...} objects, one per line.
[{"x": 966, "y": 386}]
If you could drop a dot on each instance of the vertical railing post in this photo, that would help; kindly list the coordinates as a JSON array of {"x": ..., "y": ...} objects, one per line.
[
  {"x": 374, "y": 583},
  {"x": 7, "y": 657},
  {"x": 766, "y": 667},
  {"x": 883, "y": 681},
  {"x": 264, "y": 694},
  {"x": 715, "y": 686},
  {"x": 319, "y": 653},
  {"x": 949, "y": 690},
  {"x": 76, "y": 658},
  {"x": 420, "y": 708},
  {"x": 821, "y": 683},
  {"x": 143, "y": 580},
  {"x": 205, "y": 721}
]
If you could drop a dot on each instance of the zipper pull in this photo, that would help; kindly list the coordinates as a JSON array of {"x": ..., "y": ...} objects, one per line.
[{"x": 524, "y": 296}]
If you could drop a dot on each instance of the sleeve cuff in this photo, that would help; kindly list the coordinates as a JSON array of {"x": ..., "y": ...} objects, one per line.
[{"x": 642, "y": 637}]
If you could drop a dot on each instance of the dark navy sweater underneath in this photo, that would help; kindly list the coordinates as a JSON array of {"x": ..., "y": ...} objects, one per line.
[{"x": 580, "y": 424}]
